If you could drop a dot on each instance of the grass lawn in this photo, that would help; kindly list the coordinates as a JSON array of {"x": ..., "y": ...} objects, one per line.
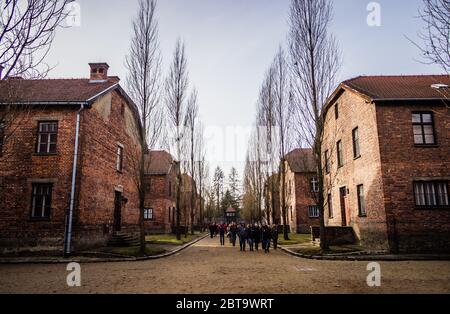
[
  {"x": 171, "y": 238},
  {"x": 294, "y": 238},
  {"x": 134, "y": 251},
  {"x": 315, "y": 250}
]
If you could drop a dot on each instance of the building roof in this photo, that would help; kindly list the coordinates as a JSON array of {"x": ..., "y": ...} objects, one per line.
[
  {"x": 231, "y": 210},
  {"x": 400, "y": 87},
  {"x": 301, "y": 160},
  {"x": 159, "y": 163},
  {"x": 55, "y": 91}
]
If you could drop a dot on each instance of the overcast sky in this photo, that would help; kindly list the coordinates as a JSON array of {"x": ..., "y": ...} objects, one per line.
[{"x": 230, "y": 44}]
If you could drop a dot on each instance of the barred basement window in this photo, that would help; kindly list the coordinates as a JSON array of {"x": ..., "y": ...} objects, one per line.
[
  {"x": 148, "y": 214},
  {"x": 47, "y": 137},
  {"x": 423, "y": 126},
  {"x": 431, "y": 194},
  {"x": 41, "y": 201},
  {"x": 313, "y": 211}
]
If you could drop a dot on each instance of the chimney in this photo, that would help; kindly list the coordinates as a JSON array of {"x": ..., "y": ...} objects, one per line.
[{"x": 99, "y": 71}]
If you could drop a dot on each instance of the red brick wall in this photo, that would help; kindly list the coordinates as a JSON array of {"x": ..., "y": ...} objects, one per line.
[
  {"x": 354, "y": 112},
  {"x": 104, "y": 127},
  {"x": 161, "y": 201},
  {"x": 410, "y": 228},
  {"x": 21, "y": 168},
  {"x": 304, "y": 199}
]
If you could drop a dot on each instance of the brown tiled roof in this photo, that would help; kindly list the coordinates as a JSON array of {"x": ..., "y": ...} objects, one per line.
[
  {"x": 400, "y": 87},
  {"x": 52, "y": 91},
  {"x": 160, "y": 163},
  {"x": 301, "y": 160}
]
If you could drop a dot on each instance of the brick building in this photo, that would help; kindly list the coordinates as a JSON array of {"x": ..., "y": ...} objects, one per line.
[
  {"x": 161, "y": 191},
  {"x": 301, "y": 188},
  {"x": 188, "y": 187},
  {"x": 38, "y": 187},
  {"x": 387, "y": 166}
]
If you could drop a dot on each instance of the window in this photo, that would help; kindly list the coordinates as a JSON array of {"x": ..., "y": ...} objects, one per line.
[
  {"x": 423, "y": 126},
  {"x": 2, "y": 136},
  {"x": 340, "y": 154},
  {"x": 314, "y": 185},
  {"x": 361, "y": 201},
  {"x": 313, "y": 211},
  {"x": 330, "y": 206},
  {"x": 47, "y": 137},
  {"x": 148, "y": 214},
  {"x": 327, "y": 161},
  {"x": 431, "y": 194},
  {"x": 356, "y": 150},
  {"x": 41, "y": 201},
  {"x": 336, "y": 111},
  {"x": 119, "y": 163}
]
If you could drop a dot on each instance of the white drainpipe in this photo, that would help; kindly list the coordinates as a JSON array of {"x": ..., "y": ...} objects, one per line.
[{"x": 68, "y": 235}]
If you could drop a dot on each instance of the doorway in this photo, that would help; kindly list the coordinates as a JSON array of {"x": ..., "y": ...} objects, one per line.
[
  {"x": 117, "y": 211},
  {"x": 343, "y": 194}
]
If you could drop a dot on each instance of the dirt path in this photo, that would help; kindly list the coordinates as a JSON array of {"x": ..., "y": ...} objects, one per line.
[{"x": 208, "y": 268}]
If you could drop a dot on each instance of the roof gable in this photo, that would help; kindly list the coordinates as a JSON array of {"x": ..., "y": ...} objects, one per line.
[{"x": 301, "y": 160}]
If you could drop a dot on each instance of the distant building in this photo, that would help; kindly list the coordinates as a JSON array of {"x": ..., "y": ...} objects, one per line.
[
  {"x": 231, "y": 215},
  {"x": 160, "y": 196},
  {"x": 301, "y": 191},
  {"x": 386, "y": 161}
]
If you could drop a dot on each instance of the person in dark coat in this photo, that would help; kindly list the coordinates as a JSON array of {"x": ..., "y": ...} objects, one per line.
[
  {"x": 211, "y": 230},
  {"x": 275, "y": 236},
  {"x": 251, "y": 236},
  {"x": 266, "y": 236},
  {"x": 222, "y": 231},
  {"x": 233, "y": 233},
  {"x": 242, "y": 233},
  {"x": 257, "y": 236}
]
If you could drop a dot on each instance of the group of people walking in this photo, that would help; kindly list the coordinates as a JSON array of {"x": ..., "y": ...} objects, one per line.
[{"x": 250, "y": 235}]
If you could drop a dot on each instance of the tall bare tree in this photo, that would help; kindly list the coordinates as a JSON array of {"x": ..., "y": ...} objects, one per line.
[
  {"x": 435, "y": 35},
  {"x": 191, "y": 127},
  {"x": 143, "y": 83},
  {"x": 27, "y": 30},
  {"x": 202, "y": 172},
  {"x": 217, "y": 186},
  {"x": 315, "y": 62},
  {"x": 176, "y": 88}
]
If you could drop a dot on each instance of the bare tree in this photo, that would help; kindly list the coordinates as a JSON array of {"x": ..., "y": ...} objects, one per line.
[
  {"x": 217, "y": 186},
  {"x": 435, "y": 35},
  {"x": 143, "y": 83},
  {"x": 27, "y": 30},
  {"x": 191, "y": 127},
  {"x": 315, "y": 61},
  {"x": 176, "y": 92},
  {"x": 202, "y": 171}
]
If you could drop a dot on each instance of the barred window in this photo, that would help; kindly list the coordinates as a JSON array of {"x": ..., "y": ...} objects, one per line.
[
  {"x": 340, "y": 154},
  {"x": 356, "y": 147},
  {"x": 431, "y": 194},
  {"x": 314, "y": 185},
  {"x": 119, "y": 162},
  {"x": 148, "y": 214},
  {"x": 361, "y": 200},
  {"x": 41, "y": 200},
  {"x": 327, "y": 161},
  {"x": 313, "y": 211},
  {"x": 47, "y": 137}
]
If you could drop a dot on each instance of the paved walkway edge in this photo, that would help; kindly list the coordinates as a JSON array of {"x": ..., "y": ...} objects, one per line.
[
  {"x": 388, "y": 257},
  {"x": 33, "y": 260}
]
